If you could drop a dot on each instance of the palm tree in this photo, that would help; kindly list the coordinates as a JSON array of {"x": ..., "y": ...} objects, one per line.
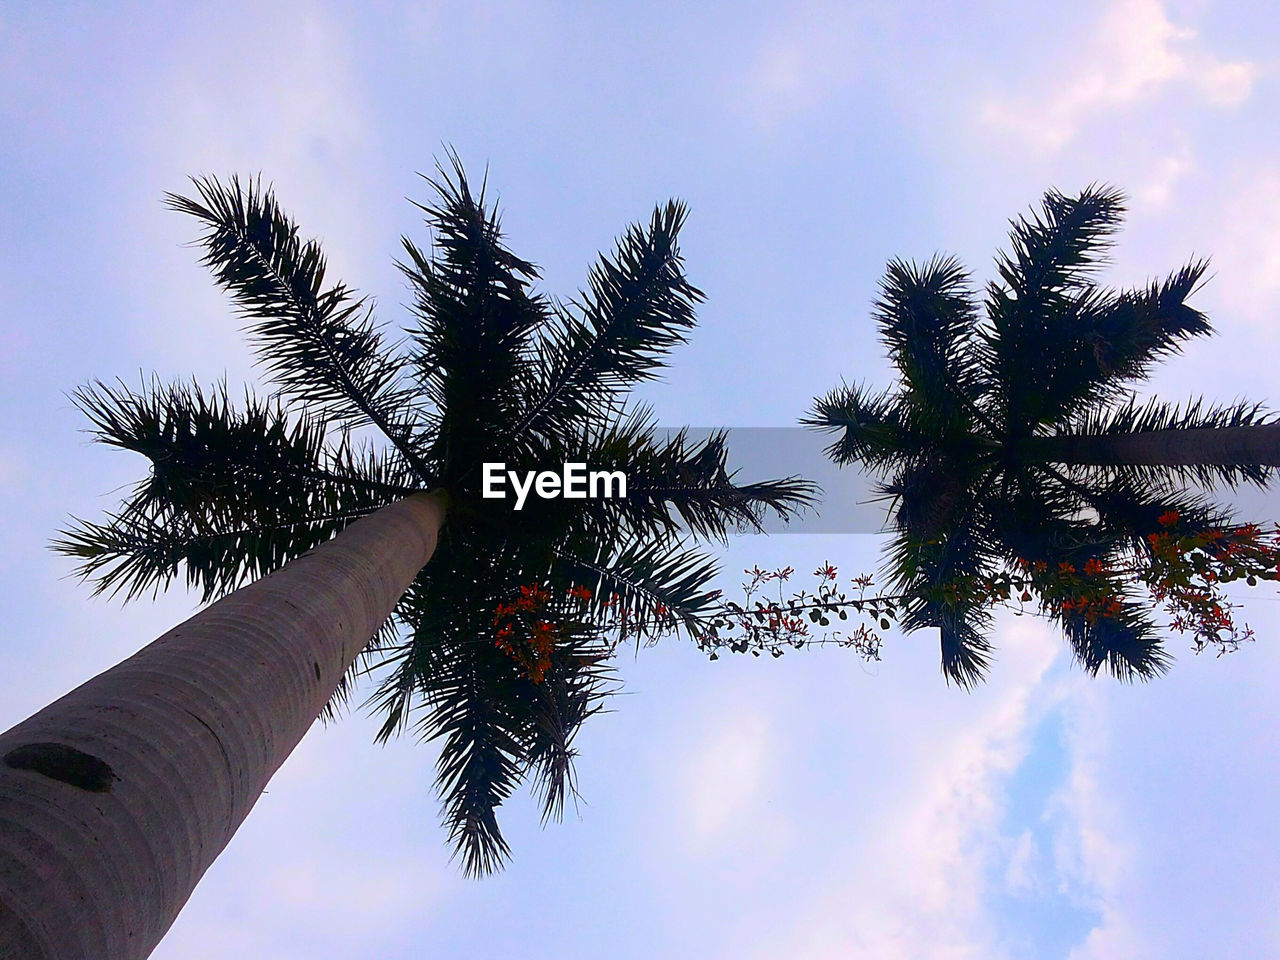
[
  {"x": 1015, "y": 433},
  {"x": 328, "y": 500}
]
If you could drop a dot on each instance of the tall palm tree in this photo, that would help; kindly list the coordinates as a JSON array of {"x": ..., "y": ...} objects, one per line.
[
  {"x": 351, "y": 504},
  {"x": 1014, "y": 433}
]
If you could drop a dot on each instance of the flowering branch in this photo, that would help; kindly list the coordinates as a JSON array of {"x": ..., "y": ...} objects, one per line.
[{"x": 1183, "y": 572}]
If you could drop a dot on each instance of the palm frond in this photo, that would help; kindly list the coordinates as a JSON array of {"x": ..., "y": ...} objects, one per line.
[
  {"x": 318, "y": 342},
  {"x": 573, "y": 691},
  {"x": 876, "y": 429},
  {"x": 1054, "y": 253},
  {"x": 926, "y": 315},
  {"x": 923, "y": 564},
  {"x": 478, "y": 765},
  {"x": 232, "y": 493},
  {"x": 637, "y": 307},
  {"x": 1137, "y": 328},
  {"x": 1126, "y": 643},
  {"x": 645, "y": 584},
  {"x": 1061, "y": 245},
  {"x": 134, "y": 553},
  {"x": 679, "y": 483},
  {"x": 475, "y": 315},
  {"x": 1192, "y": 426}
]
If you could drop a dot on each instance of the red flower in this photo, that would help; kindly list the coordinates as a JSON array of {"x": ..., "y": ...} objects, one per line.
[{"x": 1168, "y": 518}]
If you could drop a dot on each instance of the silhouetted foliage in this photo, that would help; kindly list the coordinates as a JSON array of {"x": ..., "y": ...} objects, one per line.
[
  {"x": 491, "y": 371},
  {"x": 969, "y": 443}
]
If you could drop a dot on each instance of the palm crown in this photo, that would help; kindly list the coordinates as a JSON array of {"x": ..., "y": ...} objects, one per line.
[
  {"x": 990, "y": 447},
  {"x": 491, "y": 371}
]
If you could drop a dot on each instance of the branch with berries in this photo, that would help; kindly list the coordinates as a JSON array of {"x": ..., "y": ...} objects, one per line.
[
  {"x": 1183, "y": 572},
  {"x": 773, "y": 624}
]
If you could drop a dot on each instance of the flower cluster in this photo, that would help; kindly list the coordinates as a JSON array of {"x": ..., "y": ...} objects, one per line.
[
  {"x": 531, "y": 628},
  {"x": 1090, "y": 593},
  {"x": 542, "y": 619},
  {"x": 1187, "y": 570},
  {"x": 524, "y": 632}
]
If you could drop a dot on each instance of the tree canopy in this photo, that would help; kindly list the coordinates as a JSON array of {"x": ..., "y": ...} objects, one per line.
[
  {"x": 979, "y": 444},
  {"x": 500, "y": 648}
]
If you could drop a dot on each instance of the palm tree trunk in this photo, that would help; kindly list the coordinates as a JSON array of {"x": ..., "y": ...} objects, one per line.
[
  {"x": 1164, "y": 448},
  {"x": 116, "y": 798}
]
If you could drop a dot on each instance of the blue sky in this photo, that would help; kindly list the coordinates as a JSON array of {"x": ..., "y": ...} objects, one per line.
[{"x": 810, "y": 807}]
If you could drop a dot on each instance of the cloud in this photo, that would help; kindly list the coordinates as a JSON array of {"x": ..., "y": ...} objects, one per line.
[
  {"x": 282, "y": 100},
  {"x": 1246, "y": 247},
  {"x": 722, "y": 778},
  {"x": 799, "y": 65},
  {"x": 919, "y": 881},
  {"x": 1166, "y": 817},
  {"x": 1093, "y": 863},
  {"x": 1155, "y": 190},
  {"x": 1019, "y": 874},
  {"x": 1135, "y": 55}
]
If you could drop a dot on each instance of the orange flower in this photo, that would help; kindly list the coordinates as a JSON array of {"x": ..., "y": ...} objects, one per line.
[{"x": 1168, "y": 518}]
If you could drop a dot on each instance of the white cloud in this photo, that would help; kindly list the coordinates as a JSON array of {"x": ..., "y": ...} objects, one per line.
[
  {"x": 799, "y": 64},
  {"x": 1092, "y": 862},
  {"x": 917, "y": 883},
  {"x": 1156, "y": 189},
  {"x": 721, "y": 779},
  {"x": 1246, "y": 247},
  {"x": 1020, "y": 872},
  {"x": 1226, "y": 84},
  {"x": 1135, "y": 55},
  {"x": 282, "y": 100}
]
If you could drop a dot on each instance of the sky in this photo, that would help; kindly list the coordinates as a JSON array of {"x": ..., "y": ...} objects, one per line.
[{"x": 811, "y": 807}]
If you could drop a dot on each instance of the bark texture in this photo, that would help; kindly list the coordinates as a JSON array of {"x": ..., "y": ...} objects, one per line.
[
  {"x": 116, "y": 798},
  {"x": 1226, "y": 445}
]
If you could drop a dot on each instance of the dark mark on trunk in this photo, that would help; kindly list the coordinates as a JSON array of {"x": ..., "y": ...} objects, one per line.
[{"x": 66, "y": 764}]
